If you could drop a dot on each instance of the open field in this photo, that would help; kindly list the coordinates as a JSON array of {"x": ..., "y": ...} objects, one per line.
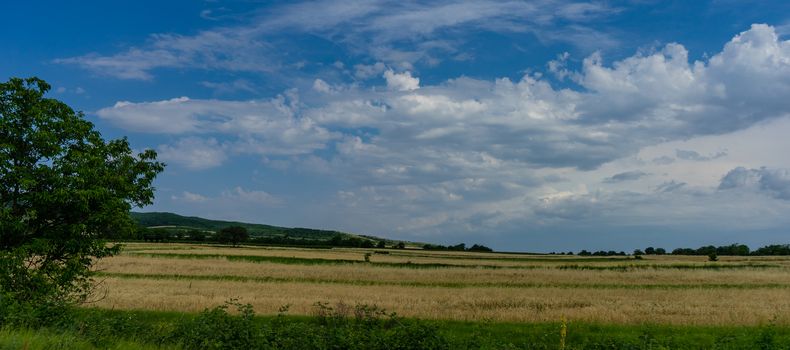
[{"x": 736, "y": 291}]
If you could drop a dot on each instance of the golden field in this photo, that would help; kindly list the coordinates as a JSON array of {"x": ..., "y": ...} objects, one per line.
[{"x": 451, "y": 285}]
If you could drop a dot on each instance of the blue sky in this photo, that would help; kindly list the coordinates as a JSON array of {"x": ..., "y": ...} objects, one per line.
[{"x": 537, "y": 125}]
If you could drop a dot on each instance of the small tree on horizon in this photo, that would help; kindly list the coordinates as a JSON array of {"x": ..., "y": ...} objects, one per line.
[{"x": 233, "y": 235}]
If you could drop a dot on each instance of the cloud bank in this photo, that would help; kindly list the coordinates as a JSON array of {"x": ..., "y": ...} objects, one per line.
[{"x": 469, "y": 154}]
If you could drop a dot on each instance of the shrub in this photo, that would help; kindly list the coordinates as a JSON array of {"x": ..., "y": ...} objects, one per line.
[{"x": 216, "y": 329}]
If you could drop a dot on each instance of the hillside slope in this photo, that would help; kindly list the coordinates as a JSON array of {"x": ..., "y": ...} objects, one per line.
[{"x": 159, "y": 219}]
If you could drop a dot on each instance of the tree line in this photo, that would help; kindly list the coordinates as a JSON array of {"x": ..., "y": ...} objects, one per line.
[
  {"x": 708, "y": 250},
  {"x": 461, "y": 247}
]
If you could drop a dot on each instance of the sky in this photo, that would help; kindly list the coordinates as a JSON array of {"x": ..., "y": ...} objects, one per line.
[{"x": 548, "y": 125}]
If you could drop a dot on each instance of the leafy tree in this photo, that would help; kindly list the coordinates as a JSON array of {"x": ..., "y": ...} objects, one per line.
[
  {"x": 233, "y": 235},
  {"x": 196, "y": 235},
  {"x": 62, "y": 189},
  {"x": 479, "y": 248}
]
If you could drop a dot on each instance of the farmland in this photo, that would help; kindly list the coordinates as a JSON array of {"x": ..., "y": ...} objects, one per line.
[{"x": 452, "y": 286}]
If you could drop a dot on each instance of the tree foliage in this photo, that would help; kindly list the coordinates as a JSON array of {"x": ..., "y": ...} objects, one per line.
[
  {"x": 62, "y": 187},
  {"x": 233, "y": 235}
]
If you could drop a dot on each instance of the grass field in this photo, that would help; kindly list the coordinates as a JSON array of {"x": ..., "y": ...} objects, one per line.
[{"x": 452, "y": 286}]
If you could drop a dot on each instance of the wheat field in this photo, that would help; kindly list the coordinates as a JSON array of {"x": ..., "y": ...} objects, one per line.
[{"x": 451, "y": 285}]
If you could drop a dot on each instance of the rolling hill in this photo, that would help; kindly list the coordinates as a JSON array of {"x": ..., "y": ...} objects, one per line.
[{"x": 178, "y": 222}]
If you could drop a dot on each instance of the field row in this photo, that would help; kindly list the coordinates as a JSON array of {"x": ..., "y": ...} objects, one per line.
[
  {"x": 452, "y": 285},
  {"x": 625, "y": 306},
  {"x": 441, "y": 276}
]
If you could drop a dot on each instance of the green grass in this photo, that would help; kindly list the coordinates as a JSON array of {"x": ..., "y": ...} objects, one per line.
[
  {"x": 43, "y": 339},
  {"x": 108, "y": 329},
  {"x": 582, "y": 335}
]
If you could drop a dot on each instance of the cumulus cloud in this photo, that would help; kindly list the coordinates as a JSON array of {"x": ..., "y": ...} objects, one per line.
[
  {"x": 401, "y": 81},
  {"x": 268, "y": 127},
  {"x": 367, "y": 71},
  {"x": 465, "y": 126},
  {"x": 193, "y": 153},
  {"x": 427, "y": 155},
  {"x": 774, "y": 182}
]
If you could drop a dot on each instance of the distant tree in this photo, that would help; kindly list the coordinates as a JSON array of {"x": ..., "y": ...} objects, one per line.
[
  {"x": 336, "y": 240},
  {"x": 584, "y": 253},
  {"x": 684, "y": 251},
  {"x": 638, "y": 252},
  {"x": 650, "y": 250},
  {"x": 233, "y": 235},
  {"x": 733, "y": 249},
  {"x": 479, "y": 248},
  {"x": 197, "y": 235},
  {"x": 459, "y": 247},
  {"x": 400, "y": 245},
  {"x": 706, "y": 250},
  {"x": 381, "y": 244},
  {"x": 660, "y": 251},
  {"x": 775, "y": 249}
]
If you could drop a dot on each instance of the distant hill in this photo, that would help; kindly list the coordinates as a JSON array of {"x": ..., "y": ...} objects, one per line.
[{"x": 178, "y": 222}]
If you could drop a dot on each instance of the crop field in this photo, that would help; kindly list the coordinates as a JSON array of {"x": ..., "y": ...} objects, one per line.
[{"x": 736, "y": 291}]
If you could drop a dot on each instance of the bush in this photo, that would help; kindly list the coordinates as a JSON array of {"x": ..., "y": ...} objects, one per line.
[
  {"x": 216, "y": 329},
  {"x": 336, "y": 327}
]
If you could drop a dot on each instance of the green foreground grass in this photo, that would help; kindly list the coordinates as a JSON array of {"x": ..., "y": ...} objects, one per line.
[{"x": 339, "y": 328}]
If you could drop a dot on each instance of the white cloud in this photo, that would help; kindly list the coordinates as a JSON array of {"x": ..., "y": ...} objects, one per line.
[
  {"x": 232, "y": 49},
  {"x": 365, "y": 71},
  {"x": 189, "y": 197},
  {"x": 396, "y": 33},
  {"x": 268, "y": 127},
  {"x": 640, "y": 101},
  {"x": 401, "y": 81},
  {"x": 775, "y": 182},
  {"x": 251, "y": 196},
  {"x": 470, "y": 154},
  {"x": 323, "y": 87},
  {"x": 194, "y": 153}
]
